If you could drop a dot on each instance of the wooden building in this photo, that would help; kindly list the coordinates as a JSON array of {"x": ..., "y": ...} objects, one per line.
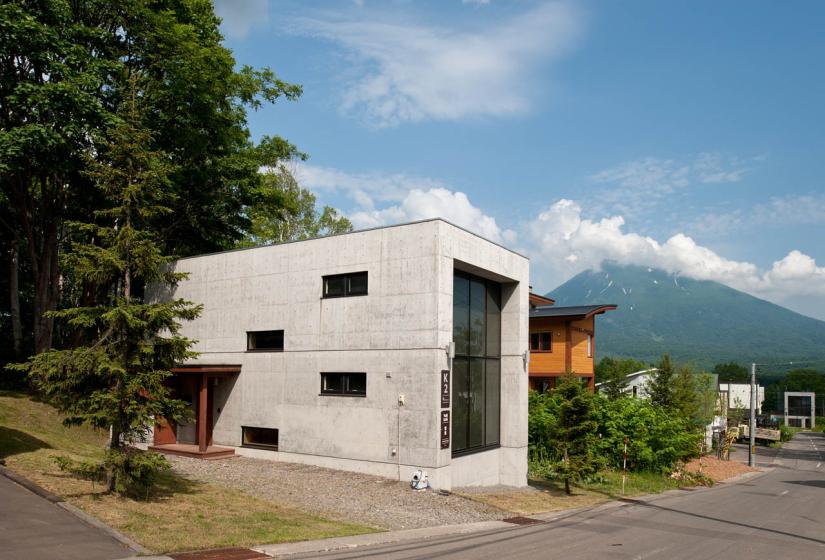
[{"x": 562, "y": 339}]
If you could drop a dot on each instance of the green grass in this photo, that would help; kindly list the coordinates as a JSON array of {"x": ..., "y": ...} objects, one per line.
[
  {"x": 180, "y": 514},
  {"x": 548, "y": 495}
]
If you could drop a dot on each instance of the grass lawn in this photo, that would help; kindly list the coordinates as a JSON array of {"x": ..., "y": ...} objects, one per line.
[
  {"x": 546, "y": 496},
  {"x": 180, "y": 514}
]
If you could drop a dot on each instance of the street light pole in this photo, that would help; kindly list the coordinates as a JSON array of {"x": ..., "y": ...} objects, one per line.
[{"x": 752, "y": 422}]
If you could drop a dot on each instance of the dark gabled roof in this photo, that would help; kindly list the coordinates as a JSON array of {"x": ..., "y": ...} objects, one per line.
[{"x": 574, "y": 312}]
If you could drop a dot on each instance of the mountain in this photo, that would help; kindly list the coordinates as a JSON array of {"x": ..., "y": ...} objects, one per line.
[{"x": 697, "y": 321}]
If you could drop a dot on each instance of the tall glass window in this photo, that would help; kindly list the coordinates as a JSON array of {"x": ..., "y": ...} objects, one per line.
[{"x": 477, "y": 363}]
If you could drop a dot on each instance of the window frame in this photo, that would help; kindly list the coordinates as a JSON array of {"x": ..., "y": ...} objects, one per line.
[
  {"x": 346, "y": 391},
  {"x": 250, "y": 334},
  {"x": 265, "y": 446},
  {"x": 484, "y": 357},
  {"x": 539, "y": 349},
  {"x": 589, "y": 345},
  {"x": 348, "y": 292}
]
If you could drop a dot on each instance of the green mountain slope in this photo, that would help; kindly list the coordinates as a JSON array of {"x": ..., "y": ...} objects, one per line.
[{"x": 699, "y": 321}]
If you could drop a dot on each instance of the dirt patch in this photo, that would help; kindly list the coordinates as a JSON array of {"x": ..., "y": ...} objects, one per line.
[
  {"x": 716, "y": 469},
  {"x": 533, "y": 499}
]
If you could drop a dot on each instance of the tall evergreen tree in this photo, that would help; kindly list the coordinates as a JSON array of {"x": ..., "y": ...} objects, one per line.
[
  {"x": 574, "y": 434},
  {"x": 116, "y": 379},
  {"x": 660, "y": 387},
  {"x": 65, "y": 69},
  {"x": 685, "y": 394}
]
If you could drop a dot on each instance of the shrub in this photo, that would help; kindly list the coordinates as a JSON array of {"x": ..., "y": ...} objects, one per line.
[
  {"x": 657, "y": 439},
  {"x": 133, "y": 471}
]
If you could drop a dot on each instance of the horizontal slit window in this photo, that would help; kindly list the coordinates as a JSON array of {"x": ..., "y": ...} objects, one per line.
[
  {"x": 265, "y": 341},
  {"x": 343, "y": 285},
  {"x": 344, "y": 384},
  {"x": 262, "y": 438}
]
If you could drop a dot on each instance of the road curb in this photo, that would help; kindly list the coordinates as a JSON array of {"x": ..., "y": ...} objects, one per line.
[
  {"x": 385, "y": 537},
  {"x": 29, "y": 485},
  {"x": 80, "y": 514}
]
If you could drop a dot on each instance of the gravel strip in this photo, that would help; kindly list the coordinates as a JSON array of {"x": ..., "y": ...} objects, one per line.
[{"x": 344, "y": 496}]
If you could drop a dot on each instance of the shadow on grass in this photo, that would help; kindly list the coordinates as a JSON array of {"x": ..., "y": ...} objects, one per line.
[{"x": 14, "y": 441}]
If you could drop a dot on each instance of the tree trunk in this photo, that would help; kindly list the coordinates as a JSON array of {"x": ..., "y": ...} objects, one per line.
[
  {"x": 567, "y": 475},
  {"x": 14, "y": 296}
]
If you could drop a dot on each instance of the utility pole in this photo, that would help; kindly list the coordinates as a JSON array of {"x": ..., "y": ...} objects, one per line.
[{"x": 752, "y": 422}]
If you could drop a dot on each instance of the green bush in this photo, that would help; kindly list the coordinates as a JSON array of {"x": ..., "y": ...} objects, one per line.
[
  {"x": 134, "y": 471},
  {"x": 657, "y": 439}
]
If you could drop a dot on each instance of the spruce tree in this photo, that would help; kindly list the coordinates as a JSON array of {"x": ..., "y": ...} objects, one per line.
[
  {"x": 115, "y": 377},
  {"x": 574, "y": 434},
  {"x": 660, "y": 387},
  {"x": 685, "y": 394}
]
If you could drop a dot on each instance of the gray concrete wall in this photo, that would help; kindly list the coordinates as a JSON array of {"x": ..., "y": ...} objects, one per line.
[{"x": 397, "y": 334}]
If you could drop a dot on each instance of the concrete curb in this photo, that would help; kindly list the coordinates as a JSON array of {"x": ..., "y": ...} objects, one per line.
[
  {"x": 80, "y": 514},
  {"x": 29, "y": 485},
  {"x": 386, "y": 537}
]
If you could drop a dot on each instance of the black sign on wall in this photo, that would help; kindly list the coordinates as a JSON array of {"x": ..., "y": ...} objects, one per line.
[
  {"x": 445, "y": 429},
  {"x": 445, "y": 388}
]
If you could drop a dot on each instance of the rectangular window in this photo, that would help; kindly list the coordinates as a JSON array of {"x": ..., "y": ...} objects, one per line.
[
  {"x": 262, "y": 438},
  {"x": 343, "y": 285},
  {"x": 476, "y": 368},
  {"x": 265, "y": 341},
  {"x": 344, "y": 384},
  {"x": 541, "y": 342},
  {"x": 590, "y": 346}
]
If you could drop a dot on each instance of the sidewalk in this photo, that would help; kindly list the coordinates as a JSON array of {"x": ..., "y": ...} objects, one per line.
[{"x": 35, "y": 528}]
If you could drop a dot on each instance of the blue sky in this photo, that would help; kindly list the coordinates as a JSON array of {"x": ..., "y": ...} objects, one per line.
[{"x": 682, "y": 135}]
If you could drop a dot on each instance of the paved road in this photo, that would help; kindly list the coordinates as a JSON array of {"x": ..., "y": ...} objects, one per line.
[
  {"x": 780, "y": 514},
  {"x": 32, "y": 528}
]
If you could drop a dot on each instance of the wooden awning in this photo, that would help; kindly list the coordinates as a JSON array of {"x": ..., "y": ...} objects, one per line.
[{"x": 219, "y": 370}]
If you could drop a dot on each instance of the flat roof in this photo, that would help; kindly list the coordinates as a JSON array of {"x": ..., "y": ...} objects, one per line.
[
  {"x": 582, "y": 311},
  {"x": 356, "y": 231}
]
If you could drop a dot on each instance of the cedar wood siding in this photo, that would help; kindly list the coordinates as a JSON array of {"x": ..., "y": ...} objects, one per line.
[{"x": 553, "y": 363}]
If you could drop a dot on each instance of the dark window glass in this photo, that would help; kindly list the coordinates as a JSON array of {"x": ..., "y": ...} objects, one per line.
[
  {"x": 475, "y": 436},
  {"x": 265, "y": 340},
  {"x": 476, "y": 368},
  {"x": 546, "y": 341},
  {"x": 461, "y": 313},
  {"x": 477, "y": 306},
  {"x": 492, "y": 397},
  {"x": 336, "y": 383},
  {"x": 341, "y": 285},
  {"x": 357, "y": 383},
  {"x": 266, "y": 438},
  {"x": 493, "y": 338},
  {"x": 534, "y": 341},
  {"x": 357, "y": 284}
]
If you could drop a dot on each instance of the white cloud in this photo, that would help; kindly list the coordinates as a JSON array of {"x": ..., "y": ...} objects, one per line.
[
  {"x": 637, "y": 187},
  {"x": 240, "y": 17},
  {"x": 382, "y": 199},
  {"x": 563, "y": 243},
  {"x": 406, "y": 72},
  {"x": 453, "y": 206},
  {"x": 783, "y": 211}
]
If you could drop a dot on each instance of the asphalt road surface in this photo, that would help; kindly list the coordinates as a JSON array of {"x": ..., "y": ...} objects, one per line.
[{"x": 778, "y": 514}]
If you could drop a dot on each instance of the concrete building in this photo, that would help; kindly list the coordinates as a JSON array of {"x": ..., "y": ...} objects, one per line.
[
  {"x": 383, "y": 351},
  {"x": 738, "y": 395}
]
